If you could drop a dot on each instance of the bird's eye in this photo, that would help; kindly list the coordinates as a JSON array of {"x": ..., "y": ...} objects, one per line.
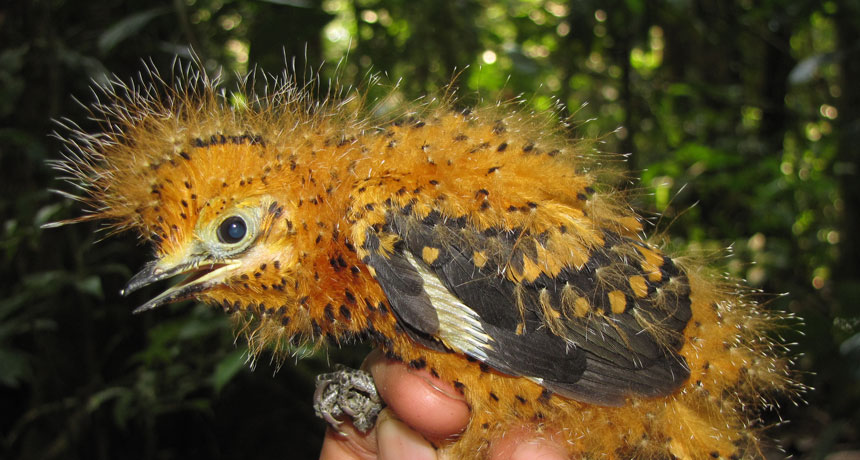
[{"x": 232, "y": 230}]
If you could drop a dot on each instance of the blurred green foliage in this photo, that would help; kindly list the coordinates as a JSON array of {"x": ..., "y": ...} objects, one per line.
[{"x": 740, "y": 118}]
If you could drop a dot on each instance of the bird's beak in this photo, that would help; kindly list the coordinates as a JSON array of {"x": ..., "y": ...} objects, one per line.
[{"x": 202, "y": 275}]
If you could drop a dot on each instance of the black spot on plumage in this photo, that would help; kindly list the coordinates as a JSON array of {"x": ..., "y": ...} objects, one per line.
[
  {"x": 460, "y": 386},
  {"x": 479, "y": 147},
  {"x": 418, "y": 364},
  {"x": 493, "y": 396},
  {"x": 185, "y": 155},
  {"x": 544, "y": 396},
  {"x": 528, "y": 147},
  {"x": 493, "y": 169},
  {"x": 502, "y": 147},
  {"x": 350, "y": 297},
  {"x": 329, "y": 313},
  {"x": 393, "y": 356},
  {"x": 460, "y": 137},
  {"x": 345, "y": 313}
]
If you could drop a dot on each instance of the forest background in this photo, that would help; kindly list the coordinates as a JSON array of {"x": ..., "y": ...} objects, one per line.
[{"x": 740, "y": 118}]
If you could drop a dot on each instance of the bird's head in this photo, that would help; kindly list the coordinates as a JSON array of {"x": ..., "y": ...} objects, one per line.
[
  {"x": 199, "y": 179},
  {"x": 233, "y": 252}
]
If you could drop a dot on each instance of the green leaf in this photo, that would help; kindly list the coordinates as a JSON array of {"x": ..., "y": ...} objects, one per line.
[
  {"x": 91, "y": 285},
  {"x": 128, "y": 27},
  {"x": 97, "y": 399},
  {"x": 228, "y": 368},
  {"x": 14, "y": 368}
]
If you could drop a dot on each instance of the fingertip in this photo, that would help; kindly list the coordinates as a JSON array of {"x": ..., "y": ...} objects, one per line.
[
  {"x": 348, "y": 444},
  {"x": 539, "y": 450},
  {"x": 427, "y": 404},
  {"x": 395, "y": 441},
  {"x": 523, "y": 444}
]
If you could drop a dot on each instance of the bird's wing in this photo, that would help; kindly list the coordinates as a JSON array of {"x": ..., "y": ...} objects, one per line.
[{"x": 447, "y": 284}]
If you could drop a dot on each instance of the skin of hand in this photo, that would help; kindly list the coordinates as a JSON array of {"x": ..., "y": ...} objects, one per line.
[{"x": 422, "y": 409}]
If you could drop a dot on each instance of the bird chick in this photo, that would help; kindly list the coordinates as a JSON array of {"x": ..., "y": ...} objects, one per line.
[{"x": 480, "y": 245}]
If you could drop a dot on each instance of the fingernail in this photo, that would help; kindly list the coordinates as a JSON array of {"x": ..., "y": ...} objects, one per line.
[
  {"x": 537, "y": 450},
  {"x": 447, "y": 390},
  {"x": 395, "y": 441}
]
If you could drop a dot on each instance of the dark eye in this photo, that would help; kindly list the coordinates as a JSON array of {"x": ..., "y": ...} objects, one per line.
[{"x": 232, "y": 230}]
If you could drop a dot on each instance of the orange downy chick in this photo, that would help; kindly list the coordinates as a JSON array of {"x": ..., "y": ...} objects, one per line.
[{"x": 476, "y": 244}]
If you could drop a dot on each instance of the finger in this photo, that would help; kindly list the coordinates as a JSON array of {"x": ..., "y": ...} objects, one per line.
[
  {"x": 348, "y": 444},
  {"x": 396, "y": 440},
  {"x": 425, "y": 403},
  {"x": 524, "y": 444}
]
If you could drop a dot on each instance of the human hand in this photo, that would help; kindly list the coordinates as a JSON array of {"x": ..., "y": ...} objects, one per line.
[{"x": 422, "y": 410}]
